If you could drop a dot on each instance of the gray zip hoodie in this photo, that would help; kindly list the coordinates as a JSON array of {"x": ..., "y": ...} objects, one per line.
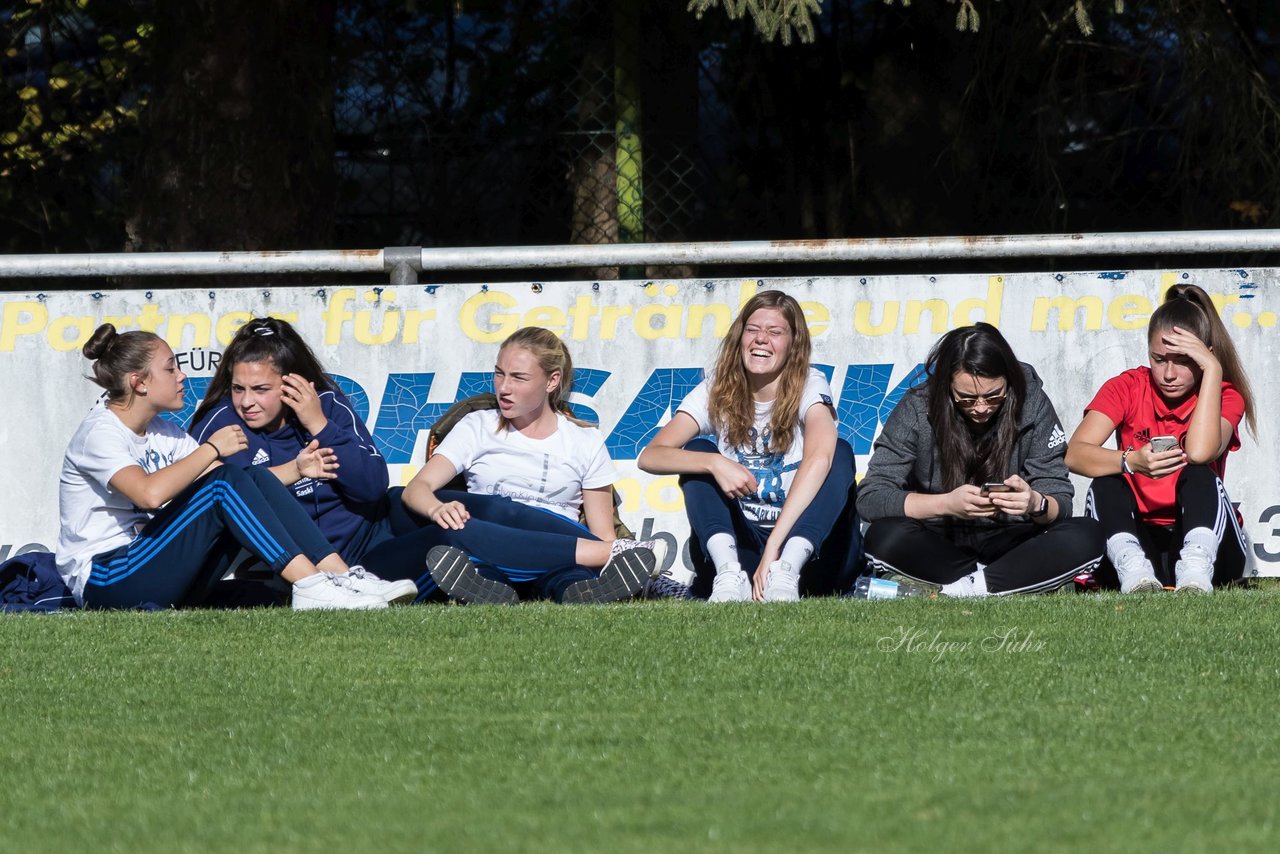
[{"x": 905, "y": 458}]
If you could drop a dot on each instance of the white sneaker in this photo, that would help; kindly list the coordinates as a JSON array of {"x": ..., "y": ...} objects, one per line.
[
  {"x": 392, "y": 592},
  {"x": 731, "y": 585},
  {"x": 1194, "y": 570},
  {"x": 1136, "y": 573},
  {"x": 783, "y": 583},
  {"x": 325, "y": 591}
]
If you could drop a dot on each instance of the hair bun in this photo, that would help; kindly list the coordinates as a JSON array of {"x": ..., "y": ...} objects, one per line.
[{"x": 100, "y": 342}]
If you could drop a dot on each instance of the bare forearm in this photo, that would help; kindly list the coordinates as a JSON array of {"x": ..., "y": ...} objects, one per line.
[
  {"x": 809, "y": 478},
  {"x": 657, "y": 459},
  {"x": 161, "y": 486},
  {"x": 1093, "y": 460},
  {"x": 1203, "y": 442},
  {"x": 287, "y": 473}
]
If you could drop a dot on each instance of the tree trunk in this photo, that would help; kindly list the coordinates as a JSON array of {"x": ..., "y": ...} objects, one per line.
[{"x": 238, "y": 151}]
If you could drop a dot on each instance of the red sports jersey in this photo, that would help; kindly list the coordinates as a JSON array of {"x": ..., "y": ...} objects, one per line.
[{"x": 1131, "y": 401}]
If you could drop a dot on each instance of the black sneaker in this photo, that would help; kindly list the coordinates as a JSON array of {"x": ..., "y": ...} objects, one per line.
[
  {"x": 456, "y": 575},
  {"x": 622, "y": 577}
]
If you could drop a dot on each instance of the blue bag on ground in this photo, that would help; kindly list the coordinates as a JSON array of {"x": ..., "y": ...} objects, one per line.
[{"x": 30, "y": 582}]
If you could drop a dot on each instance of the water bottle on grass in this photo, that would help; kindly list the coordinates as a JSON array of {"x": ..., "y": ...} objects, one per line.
[{"x": 897, "y": 587}]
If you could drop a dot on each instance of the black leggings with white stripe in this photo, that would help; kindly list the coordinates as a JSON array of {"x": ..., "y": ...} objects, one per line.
[
  {"x": 1020, "y": 557},
  {"x": 1202, "y": 503}
]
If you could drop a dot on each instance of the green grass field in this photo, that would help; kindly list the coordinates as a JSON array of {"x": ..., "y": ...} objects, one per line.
[{"x": 1060, "y": 722}]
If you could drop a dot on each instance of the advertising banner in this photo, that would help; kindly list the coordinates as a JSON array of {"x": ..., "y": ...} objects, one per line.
[{"x": 404, "y": 354}]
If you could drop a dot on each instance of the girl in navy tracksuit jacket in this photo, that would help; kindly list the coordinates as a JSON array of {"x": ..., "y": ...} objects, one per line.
[{"x": 303, "y": 429}]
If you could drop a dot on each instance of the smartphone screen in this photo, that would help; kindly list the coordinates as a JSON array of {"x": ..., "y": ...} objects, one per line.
[
  {"x": 996, "y": 487},
  {"x": 1163, "y": 443}
]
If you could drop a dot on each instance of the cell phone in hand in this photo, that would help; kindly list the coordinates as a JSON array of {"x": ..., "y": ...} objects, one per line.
[
  {"x": 996, "y": 487},
  {"x": 1163, "y": 443}
]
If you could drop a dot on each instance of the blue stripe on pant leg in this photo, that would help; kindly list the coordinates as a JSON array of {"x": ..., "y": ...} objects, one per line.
[
  {"x": 213, "y": 493},
  {"x": 210, "y": 495}
]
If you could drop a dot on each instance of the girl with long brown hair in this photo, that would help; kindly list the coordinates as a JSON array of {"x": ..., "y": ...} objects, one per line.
[
  {"x": 764, "y": 499},
  {"x": 967, "y": 488}
]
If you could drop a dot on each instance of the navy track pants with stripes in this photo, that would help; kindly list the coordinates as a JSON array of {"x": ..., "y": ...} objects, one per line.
[{"x": 185, "y": 549}]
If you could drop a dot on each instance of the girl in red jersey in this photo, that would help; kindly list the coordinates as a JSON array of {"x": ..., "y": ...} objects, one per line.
[{"x": 1165, "y": 513}]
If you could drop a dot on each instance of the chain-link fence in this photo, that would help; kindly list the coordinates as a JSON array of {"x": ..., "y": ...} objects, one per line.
[{"x": 510, "y": 124}]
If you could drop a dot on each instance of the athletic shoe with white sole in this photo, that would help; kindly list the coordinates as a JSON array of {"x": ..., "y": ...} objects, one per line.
[
  {"x": 783, "y": 583},
  {"x": 730, "y": 585},
  {"x": 455, "y": 574},
  {"x": 327, "y": 592},
  {"x": 1194, "y": 570},
  {"x": 630, "y": 565},
  {"x": 1136, "y": 573},
  {"x": 392, "y": 592},
  {"x": 673, "y": 583}
]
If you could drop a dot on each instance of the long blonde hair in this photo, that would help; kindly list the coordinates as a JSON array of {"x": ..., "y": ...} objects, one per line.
[
  {"x": 731, "y": 407},
  {"x": 551, "y": 355},
  {"x": 1189, "y": 307}
]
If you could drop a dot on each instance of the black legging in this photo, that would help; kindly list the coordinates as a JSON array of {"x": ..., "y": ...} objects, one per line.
[
  {"x": 1020, "y": 557},
  {"x": 1202, "y": 502}
]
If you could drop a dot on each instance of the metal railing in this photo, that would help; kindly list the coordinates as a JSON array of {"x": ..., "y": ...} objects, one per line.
[{"x": 402, "y": 264}]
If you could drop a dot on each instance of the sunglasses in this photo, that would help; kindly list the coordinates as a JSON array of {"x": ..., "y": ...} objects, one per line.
[{"x": 992, "y": 400}]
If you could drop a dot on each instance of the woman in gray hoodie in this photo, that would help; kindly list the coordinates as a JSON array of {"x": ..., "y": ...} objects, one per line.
[{"x": 967, "y": 487}]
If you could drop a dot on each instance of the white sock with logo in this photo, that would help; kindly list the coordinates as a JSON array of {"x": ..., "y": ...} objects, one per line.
[
  {"x": 1205, "y": 539},
  {"x": 1119, "y": 545},
  {"x": 796, "y": 552},
  {"x": 722, "y": 549}
]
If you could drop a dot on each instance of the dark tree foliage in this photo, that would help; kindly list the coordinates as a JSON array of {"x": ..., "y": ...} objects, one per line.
[
  {"x": 237, "y": 140},
  {"x": 236, "y": 124},
  {"x": 69, "y": 109}
]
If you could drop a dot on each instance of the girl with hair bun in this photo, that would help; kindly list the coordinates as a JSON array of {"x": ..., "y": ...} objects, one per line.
[
  {"x": 301, "y": 428},
  {"x": 529, "y": 469},
  {"x": 967, "y": 488},
  {"x": 150, "y": 517},
  {"x": 1159, "y": 494}
]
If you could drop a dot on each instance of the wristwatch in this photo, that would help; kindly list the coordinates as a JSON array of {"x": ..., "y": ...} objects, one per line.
[{"x": 1042, "y": 510}]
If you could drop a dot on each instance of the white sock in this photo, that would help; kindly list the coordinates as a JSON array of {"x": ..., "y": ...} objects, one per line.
[
  {"x": 796, "y": 552},
  {"x": 1121, "y": 544},
  {"x": 722, "y": 549},
  {"x": 973, "y": 584},
  {"x": 1203, "y": 538}
]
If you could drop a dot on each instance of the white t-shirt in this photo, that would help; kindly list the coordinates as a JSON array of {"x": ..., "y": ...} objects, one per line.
[
  {"x": 550, "y": 473},
  {"x": 94, "y": 517},
  {"x": 773, "y": 471}
]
